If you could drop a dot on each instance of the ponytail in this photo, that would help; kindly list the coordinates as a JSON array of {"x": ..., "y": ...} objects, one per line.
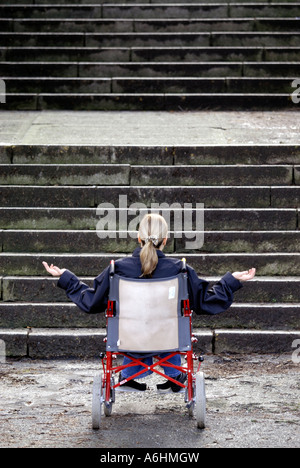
[
  {"x": 149, "y": 259},
  {"x": 153, "y": 230}
]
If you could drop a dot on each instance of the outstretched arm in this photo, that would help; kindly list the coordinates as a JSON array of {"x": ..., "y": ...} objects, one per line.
[
  {"x": 90, "y": 300},
  {"x": 216, "y": 299}
]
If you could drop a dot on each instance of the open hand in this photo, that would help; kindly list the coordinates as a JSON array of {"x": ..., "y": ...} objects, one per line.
[
  {"x": 245, "y": 275},
  {"x": 53, "y": 270}
]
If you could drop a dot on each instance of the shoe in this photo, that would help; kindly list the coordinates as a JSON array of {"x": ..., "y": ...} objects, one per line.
[
  {"x": 169, "y": 386},
  {"x": 131, "y": 386}
]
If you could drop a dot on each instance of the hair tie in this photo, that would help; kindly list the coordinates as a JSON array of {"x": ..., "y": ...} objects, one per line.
[{"x": 153, "y": 239}]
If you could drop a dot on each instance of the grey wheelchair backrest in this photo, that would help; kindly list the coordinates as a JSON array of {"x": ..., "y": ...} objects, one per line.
[{"x": 148, "y": 315}]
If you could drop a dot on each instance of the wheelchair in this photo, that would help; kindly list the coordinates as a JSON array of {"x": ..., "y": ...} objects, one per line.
[{"x": 148, "y": 316}]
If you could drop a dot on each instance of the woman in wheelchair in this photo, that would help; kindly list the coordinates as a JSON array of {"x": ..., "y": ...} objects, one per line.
[{"x": 149, "y": 261}]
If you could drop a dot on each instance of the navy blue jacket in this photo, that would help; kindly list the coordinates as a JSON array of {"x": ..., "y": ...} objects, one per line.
[{"x": 203, "y": 300}]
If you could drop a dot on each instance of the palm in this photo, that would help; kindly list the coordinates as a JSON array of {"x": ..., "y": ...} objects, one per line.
[
  {"x": 53, "y": 270},
  {"x": 245, "y": 275}
]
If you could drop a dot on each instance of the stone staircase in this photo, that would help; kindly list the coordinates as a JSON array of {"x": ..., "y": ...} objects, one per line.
[
  {"x": 149, "y": 56},
  {"x": 50, "y": 202}
]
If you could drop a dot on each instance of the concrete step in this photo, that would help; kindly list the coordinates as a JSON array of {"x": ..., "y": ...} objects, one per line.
[
  {"x": 215, "y": 54},
  {"x": 151, "y": 54},
  {"x": 229, "y": 2},
  {"x": 199, "y": 10},
  {"x": 242, "y": 39},
  {"x": 51, "y": 343},
  {"x": 93, "y": 154},
  {"x": 263, "y": 316},
  {"x": 65, "y": 53},
  {"x": 66, "y": 315},
  {"x": 148, "y": 85},
  {"x": 227, "y": 341},
  {"x": 212, "y": 197},
  {"x": 122, "y": 241},
  {"x": 215, "y": 219},
  {"x": 65, "y": 174},
  {"x": 55, "y": 85},
  {"x": 124, "y": 2},
  {"x": 64, "y": 196},
  {"x": 158, "y": 10},
  {"x": 142, "y": 39},
  {"x": 269, "y": 291},
  {"x": 63, "y": 39},
  {"x": 123, "y": 174},
  {"x": 219, "y": 154},
  {"x": 88, "y": 342},
  {"x": 211, "y": 175},
  {"x": 267, "y": 264},
  {"x": 146, "y": 69},
  {"x": 91, "y": 2},
  {"x": 50, "y": 11},
  {"x": 149, "y": 25},
  {"x": 151, "y": 69},
  {"x": 148, "y": 102},
  {"x": 92, "y": 196}
]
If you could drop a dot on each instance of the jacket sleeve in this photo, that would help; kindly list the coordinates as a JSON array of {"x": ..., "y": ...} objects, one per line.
[
  {"x": 90, "y": 300},
  {"x": 211, "y": 301}
]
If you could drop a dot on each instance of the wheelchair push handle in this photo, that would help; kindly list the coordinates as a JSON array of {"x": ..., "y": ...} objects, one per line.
[
  {"x": 183, "y": 265},
  {"x": 112, "y": 268}
]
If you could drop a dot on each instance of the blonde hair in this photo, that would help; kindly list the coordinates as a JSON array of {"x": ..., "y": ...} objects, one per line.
[{"x": 153, "y": 230}]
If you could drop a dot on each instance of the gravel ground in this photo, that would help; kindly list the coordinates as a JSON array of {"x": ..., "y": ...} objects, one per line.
[{"x": 252, "y": 401}]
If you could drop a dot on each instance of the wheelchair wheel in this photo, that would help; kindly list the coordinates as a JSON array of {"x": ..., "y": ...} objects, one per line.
[
  {"x": 200, "y": 401},
  {"x": 97, "y": 401}
]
